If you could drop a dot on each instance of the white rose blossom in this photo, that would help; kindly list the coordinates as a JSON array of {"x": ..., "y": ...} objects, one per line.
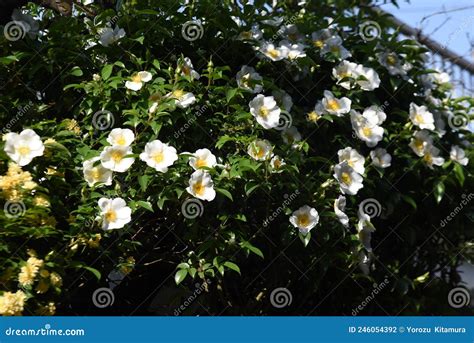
[
  {"x": 265, "y": 111},
  {"x": 201, "y": 186},
  {"x": 305, "y": 219},
  {"x": 159, "y": 155},
  {"x": 115, "y": 213},
  {"x": 137, "y": 80},
  {"x": 23, "y": 147}
]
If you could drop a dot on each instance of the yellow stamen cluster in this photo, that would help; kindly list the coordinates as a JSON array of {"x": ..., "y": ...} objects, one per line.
[
  {"x": 303, "y": 220},
  {"x": 16, "y": 182},
  {"x": 333, "y": 105},
  {"x": 313, "y": 116}
]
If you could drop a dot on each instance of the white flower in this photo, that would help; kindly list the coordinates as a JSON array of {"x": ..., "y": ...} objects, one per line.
[
  {"x": 339, "y": 206},
  {"x": 265, "y": 110},
  {"x": 353, "y": 158},
  {"x": 115, "y": 213},
  {"x": 276, "y": 163},
  {"x": 431, "y": 157},
  {"x": 249, "y": 79},
  {"x": 367, "y": 78},
  {"x": 94, "y": 174},
  {"x": 109, "y": 36},
  {"x": 458, "y": 155},
  {"x": 202, "y": 158},
  {"x": 260, "y": 150},
  {"x": 274, "y": 53},
  {"x": 374, "y": 115},
  {"x": 391, "y": 61},
  {"x": 335, "y": 106},
  {"x": 305, "y": 218},
  {"x": 23, "y": 147},
  {"x": 365, "y": 229},
  {"x": 440, "y": 77},
  {"x": 421, "y": 117},
  {"x": 113, "y": 158},
  {"x": 159, "y": 155},
  {"x": 420, "y": 141},
  {"x": 283, "y": 99},
  {"x": 344, "y": 70},
  {"x": 349, "y": 180},
  {"x": 121, "y": 137},
  {"x": 201, "y": 186},
  {"x": 295, "y": 50},
  {"x": 182, "y": 99},
  {"x": 291, "y": 135},
  {"x": 187, "y": 69},
  {"x": 365, "y": 128},
  {"x": 380, "y": 158},
  {"x": 320, "y": 37},
  {"x": 138, "y": 80},
  {"x": 334, "y": 46}
]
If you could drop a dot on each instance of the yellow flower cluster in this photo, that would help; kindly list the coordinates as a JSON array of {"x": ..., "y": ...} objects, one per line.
[
  {"x": 11, "y": 304},
  {"x": 15, "y": 182},
  {"x": 47, "y": 310},
  {"x": 92, "y": 242},
  {"x": 29, "y": 271},
  {"x": 73, "y": 126}
]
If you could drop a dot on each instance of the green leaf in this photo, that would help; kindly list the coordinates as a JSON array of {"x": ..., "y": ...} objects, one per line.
[
  {"x": 143, "y": 181},
  {"x": 408, "y": 199},
  {"x": 180, "y": 276},
  {"x": 145, "y": 205},
  {"x": 250, "y": 187},
  {"x": 225, "y": 193},
  {"x": 230, "y": 94},
  {"x": 250, "y": 247},
  {"x": 107, "y": 71},
  {"x": 439, "y": 191},
  {"x": 459, "y": 172},
  {"x": 233, "y": 266},
  {"x": 305, "y": 238},
  {"x": 76, "y": 71}
]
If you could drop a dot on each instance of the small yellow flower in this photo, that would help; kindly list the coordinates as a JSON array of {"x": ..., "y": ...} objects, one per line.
[
  {"x": 41, "y": 201},
  {"x": 47, "y": 310},
  {"x": 55, "y": 279}
]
